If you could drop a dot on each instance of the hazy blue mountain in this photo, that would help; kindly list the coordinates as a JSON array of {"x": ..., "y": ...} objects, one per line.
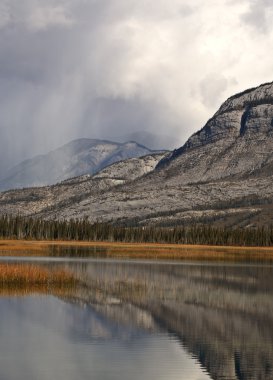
[{"x": 82, "y": 156}]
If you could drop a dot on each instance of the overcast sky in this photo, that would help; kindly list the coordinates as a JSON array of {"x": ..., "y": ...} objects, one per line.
[{"x": 111, "y": 68}]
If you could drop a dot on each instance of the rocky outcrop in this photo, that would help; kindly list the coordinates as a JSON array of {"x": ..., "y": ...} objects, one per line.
[{"x": 236, "y": 140}]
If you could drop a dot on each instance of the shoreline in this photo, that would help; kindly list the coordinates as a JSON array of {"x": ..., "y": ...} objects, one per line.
[
  {"x": 81, "y": 243},
  {"x": 135, "y": 250}
]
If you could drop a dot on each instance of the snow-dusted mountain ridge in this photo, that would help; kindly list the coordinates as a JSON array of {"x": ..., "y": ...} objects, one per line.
[
  {"x": 236, "y": 140},
  {"x": 31, "y": 201},
  {"x": 76, "y": 158}
]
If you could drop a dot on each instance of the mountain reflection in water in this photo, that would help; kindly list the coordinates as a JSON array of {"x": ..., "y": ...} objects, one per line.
[{"x": 222, "y": 315}]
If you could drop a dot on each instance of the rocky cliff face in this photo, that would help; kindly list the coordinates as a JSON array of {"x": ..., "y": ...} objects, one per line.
[
  {"x": 222, "y": 175},
  {"x": 236, "y": 140}
]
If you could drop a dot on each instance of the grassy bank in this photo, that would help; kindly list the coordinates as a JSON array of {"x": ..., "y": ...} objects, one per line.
[
  {"x": 18, "y": 274},
  {"x": 25, "y": 279},
  {"x": 133, "y": 250}
]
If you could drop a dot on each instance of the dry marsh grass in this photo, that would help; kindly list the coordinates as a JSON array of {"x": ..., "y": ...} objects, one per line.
[
  {"x": 28, "y": 290},
  {"x": 33, "y": 275},
  {"x": 138, "y": 250}
]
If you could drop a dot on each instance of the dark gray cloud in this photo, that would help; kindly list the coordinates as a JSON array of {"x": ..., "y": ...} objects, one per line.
[
  {"x": 112, "y": 68},
  {"x": 259, "y": 15}
]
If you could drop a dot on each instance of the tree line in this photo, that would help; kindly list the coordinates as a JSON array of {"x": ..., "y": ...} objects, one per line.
[{"x": 38, "y": 229}]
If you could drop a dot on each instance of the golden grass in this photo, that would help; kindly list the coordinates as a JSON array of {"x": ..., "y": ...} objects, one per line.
[
  {"x": 138, "y": 250},
  {"x": 33, "y": 275},
  {"x": 28, "y": 290}
]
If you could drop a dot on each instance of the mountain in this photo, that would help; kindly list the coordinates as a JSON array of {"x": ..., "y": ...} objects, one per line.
[
  {"x": 236, "y": 140},
  {"x": 48, "y": 199},
  {"x": 222, "y": 175},
  {"x": 76, "y": 158}
]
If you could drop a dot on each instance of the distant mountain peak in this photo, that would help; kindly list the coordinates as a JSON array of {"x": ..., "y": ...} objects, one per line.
[{"x": 77, "y": 157}]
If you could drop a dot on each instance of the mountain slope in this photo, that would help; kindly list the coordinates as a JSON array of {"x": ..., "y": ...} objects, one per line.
[
  {"x": 223, "y": 175},
  {"x": 73, "y": 159},
  {"x": 49, "y": 199},
  {"x": 236, "y": 140}
]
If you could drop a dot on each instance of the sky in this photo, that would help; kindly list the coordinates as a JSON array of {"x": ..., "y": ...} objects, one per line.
[{"x": 117, "y": 69}]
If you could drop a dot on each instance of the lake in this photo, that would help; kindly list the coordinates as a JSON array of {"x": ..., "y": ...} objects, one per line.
[{"x": 138, "y": 320}]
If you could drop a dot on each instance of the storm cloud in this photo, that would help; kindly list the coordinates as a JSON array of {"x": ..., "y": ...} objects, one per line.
[{"x": 112, "y": 68}]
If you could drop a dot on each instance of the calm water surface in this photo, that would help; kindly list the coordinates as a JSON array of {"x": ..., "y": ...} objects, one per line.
[{"x": 141, "y": 320}]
